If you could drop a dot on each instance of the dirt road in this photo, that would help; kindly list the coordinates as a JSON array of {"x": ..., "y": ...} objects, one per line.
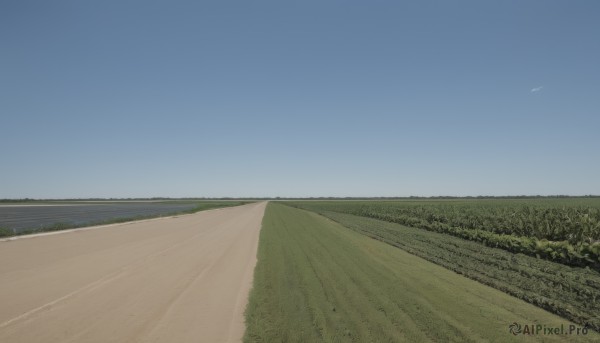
[{"x": 182, "y": 279}]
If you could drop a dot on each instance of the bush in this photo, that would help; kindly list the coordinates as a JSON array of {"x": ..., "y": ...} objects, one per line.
[{"x": 4, "y": 232}]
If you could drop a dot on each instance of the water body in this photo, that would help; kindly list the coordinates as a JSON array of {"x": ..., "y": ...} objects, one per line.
[{"x": 35, "y": 217}]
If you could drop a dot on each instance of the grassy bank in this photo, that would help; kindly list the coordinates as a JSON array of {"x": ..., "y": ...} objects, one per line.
[{"x": 317, "y": 281}]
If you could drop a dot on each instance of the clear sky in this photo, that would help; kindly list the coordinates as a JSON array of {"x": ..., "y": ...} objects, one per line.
[{"x": 299, "y": 98}]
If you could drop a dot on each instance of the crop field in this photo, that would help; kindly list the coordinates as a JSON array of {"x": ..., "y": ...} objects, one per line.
[
  {"x": 34, "y": 217},
  {"x": 326, "y": 280},
  {"x": 536, "y": 276},
  {"x": 561, "y": 230}
]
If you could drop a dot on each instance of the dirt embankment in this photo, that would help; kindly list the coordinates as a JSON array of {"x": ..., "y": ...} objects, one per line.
[{"x": 182, "y": 279}]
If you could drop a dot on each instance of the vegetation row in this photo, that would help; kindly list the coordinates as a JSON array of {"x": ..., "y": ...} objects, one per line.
[
  {"x": 570, "y": 292},
  {"x": 563, "y": 232},
  {"x": 318, "y": 281}
]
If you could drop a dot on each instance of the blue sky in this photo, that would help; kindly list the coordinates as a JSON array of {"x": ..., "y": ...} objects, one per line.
[{"x": 305, "y": 98}]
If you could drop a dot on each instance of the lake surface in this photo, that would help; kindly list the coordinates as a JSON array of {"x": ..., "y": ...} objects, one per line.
[{"x": 34, "y": 217}]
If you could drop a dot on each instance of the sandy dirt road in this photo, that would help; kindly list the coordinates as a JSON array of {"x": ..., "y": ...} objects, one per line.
[{"x": 182, "y": 279}]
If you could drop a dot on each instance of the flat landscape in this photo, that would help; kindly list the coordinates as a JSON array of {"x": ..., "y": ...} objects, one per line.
[
  {"x": 299, "y": 171},
  {"x": 320, "y": 281},
  {"x": 181, "y": 279},
  {"x": 17, "y": 218},
  {"x": 313, "y": 271}
]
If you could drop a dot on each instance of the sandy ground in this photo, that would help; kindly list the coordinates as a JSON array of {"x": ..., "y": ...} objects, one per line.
[{"x": 182, "y": 279}]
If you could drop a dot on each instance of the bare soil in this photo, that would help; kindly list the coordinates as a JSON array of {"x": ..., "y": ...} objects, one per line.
[{"x": 181, "y": 279}]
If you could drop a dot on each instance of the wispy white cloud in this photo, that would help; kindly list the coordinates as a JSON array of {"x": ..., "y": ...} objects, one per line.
[{"x": 536, "y": 89}]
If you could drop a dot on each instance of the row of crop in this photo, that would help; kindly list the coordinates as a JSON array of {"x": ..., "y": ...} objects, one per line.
[
  {"x": 581, "y": 254},
  {"x": 572, "y": 293},
  {"x": 578, "y": 254},
  {"x": 574, "y": 224}
]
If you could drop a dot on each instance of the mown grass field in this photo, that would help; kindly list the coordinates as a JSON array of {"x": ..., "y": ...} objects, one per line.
[
  {"x": 570, "y": 292},
  {"x": 318, "y": 281}
]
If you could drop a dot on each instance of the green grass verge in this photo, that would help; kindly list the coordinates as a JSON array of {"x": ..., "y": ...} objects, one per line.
[
  {"x": 570, "y": 292},
  {"x": 317, "y": 281}
]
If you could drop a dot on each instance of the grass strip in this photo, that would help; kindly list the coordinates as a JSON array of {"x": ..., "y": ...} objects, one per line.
[
  {"x": 570, "y": 292},
  {"x": 318, "y": 281}
]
